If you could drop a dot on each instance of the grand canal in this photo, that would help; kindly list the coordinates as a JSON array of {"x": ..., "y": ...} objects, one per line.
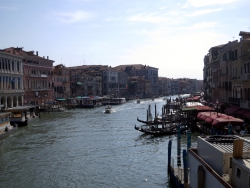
[{"x": 87, "y": 148}]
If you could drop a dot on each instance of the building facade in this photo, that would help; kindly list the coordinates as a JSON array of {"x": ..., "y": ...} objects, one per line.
[
  {"x": 37, "y": 74},
  {"x": 11, "y": 80}
]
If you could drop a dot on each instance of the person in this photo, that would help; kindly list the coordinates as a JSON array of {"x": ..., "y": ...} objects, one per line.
[
  {"x": 245, "y": 131},
  {"x": 229, "y": 128},
  {"x": 6, "y": 129},
  {"x": 238, "y": 129}
]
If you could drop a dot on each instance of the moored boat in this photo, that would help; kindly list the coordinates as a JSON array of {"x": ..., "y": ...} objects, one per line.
[
  {"x": 5, "y": 127},
  {"x": 23, "y": 115},
  {"x": 116, "y": 101}
]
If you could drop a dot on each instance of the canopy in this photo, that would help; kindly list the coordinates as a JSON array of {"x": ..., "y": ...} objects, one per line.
[
  {"x": 218, "y": 119},
  {"x": 188, "y": 109},
  {"x": 241, "y": 111},
  {"x": 231, "y": 110},
  {"x": 247, "y": 115},
  {"x": 79, "y": 83},
  {"x": 62, "y": 99}
]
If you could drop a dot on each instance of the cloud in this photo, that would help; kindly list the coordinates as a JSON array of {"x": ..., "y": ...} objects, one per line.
[
  {"x": 202, "y": 25},
  {"x": 203, "y": 3},
  {"x": 205, "y": 11},
  {"x": 150, "y": 18},
  {"x": 72, "y": 17},
  {"x": 10, "y": 7}
]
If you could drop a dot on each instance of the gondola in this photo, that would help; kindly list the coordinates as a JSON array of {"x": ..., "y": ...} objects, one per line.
[
  {"x": 157, "y": 131},
  {"x": 155, "y": 122},
  {"x": 160, "y": 131}
]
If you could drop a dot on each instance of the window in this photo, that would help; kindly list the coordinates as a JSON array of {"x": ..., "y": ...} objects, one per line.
[{"x": 238, "y": 173}]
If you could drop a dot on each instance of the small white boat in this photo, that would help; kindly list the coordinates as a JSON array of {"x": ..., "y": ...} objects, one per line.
[{"x": 108, "y": 109}]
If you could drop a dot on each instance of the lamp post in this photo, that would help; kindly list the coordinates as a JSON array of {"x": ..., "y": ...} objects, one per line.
[{"x": 217, "y": 106}]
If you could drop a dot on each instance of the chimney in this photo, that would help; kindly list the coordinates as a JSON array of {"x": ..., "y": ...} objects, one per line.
[
  {"x": 47, "y": 57},
  {"x": 36, "y": 53},
  {"x": 238, "y": 148}
]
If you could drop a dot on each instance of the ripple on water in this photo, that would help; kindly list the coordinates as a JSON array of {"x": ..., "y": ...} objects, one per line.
[{"x": 86, "y": 148}]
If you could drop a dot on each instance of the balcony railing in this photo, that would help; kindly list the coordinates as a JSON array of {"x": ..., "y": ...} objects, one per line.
[
  {"x": 39, "y": 75},
  {"x": 245, "y": 77},
  {"x": 244, "y": 104},
  {"x": 234, "y": 100},
  {"x": 39, "y": 89},
  {"x": 11, "y": 90}
]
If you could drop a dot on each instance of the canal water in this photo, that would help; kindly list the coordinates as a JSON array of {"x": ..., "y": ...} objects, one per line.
[{"x": 87, "y": 148}]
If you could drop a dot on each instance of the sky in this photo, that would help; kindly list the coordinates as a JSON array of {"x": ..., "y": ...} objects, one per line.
[{"x": 171, "y": 35}]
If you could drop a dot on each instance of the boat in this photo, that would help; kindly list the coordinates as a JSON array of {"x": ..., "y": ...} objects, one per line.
[
  {"x": 92, "y": 101},
  {"x": 23, "y": 115},
  {"x": 108, "y": 109},
  {"x": 116, "y": 101},
  {"x": 53, "y": 108},
  {"x": 163, "y": 130},
  {"x": 156, "y": 121},
  {"x": 5, "y": 127}
]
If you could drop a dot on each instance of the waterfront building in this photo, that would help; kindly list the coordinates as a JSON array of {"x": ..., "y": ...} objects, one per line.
[
  {"x": 225, "y": 83},
  {"x": 11, "y": 80},
  {"x": 96, "y": 71},
  {"x": 139, "y": 86},
  {"x": 110, "y": 85},
  {"x": 226, "y": 72},
  {"x": 81, "y": 84},
  {"x": 61, "y": 82},
  {"x": 150, "y": 73},
  {"x": 37, "y": 74},
  {"x": 123, "y": 84},
  {"x": 174, "y": 86},
  {"x": 163, "y": 88}
]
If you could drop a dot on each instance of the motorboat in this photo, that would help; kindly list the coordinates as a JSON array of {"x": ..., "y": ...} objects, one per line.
[{"x": 108, "y": 109}]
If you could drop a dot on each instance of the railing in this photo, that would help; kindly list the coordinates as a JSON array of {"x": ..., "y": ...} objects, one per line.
[
  {"x": 234, "y": 100},
  {"x": 40, "y": 89},
  {"x": 244, "y": 104},
  {"x": 11, "y": 90},
  {"x": 245, "y": 77},
  {"x": 39, "y": 75}
]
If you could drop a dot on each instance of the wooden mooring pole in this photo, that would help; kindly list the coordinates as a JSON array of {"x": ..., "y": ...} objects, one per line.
[
  {"x": 169, "y": 155},
  {"x": 179, "y": 145}
]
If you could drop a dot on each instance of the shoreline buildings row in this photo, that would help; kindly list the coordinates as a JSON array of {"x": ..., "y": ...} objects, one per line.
[
  {"x": 227, "y": 72},
  {"x": 27, "y": 78}
]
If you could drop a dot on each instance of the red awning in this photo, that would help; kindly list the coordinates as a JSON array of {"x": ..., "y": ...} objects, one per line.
[
  {"x": 219, "y": 119},
  {"x": 231, "y": 109},
  {"x": 204, "y": 108},
  {"x": 241, "y": 111},
  {"x": 247, "y": 115},
  {"x": 209, "y": 120}
]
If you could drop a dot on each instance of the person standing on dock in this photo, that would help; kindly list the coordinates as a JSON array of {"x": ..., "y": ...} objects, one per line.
[{"x": 229, "y": 128}]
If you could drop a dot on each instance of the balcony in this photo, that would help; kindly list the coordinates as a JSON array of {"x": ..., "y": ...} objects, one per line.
[
  {"x": 11, "y": 90},
  {"x": 245, "y": 77},
  {"x": 39, "y": 75},
  {"x": 244, "y": 104},
  {"x": 39, "y": 89},
  {"x": 234, "y": 100}
]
